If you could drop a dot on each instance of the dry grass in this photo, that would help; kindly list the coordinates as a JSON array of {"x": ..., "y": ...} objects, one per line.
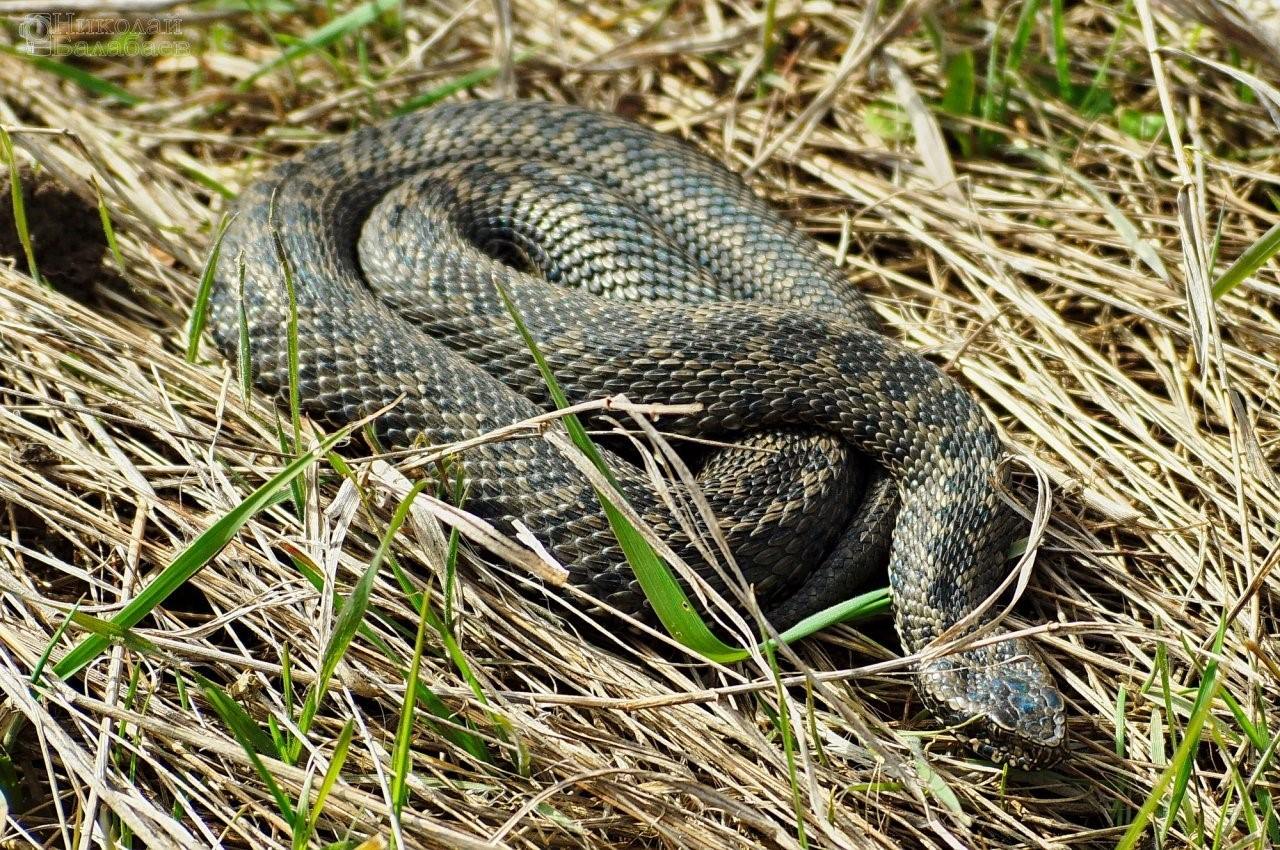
[{"x": 1059, "y": 264}]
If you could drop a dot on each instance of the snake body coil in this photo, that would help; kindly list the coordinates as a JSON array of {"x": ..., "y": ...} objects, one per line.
[{"x": 395, "y": 236}]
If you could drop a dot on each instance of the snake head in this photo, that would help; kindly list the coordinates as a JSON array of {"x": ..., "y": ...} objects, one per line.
[{"x": 1003, "y": 702}]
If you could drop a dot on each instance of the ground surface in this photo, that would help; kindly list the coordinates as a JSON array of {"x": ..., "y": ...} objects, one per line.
[{"x": 1057, "y": 202}]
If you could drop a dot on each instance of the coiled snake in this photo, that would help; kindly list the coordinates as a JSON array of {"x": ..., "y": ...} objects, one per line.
[{"x": 429, "y": 210}]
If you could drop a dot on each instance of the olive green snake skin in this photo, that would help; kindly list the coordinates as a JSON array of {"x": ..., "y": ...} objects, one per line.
[{"x": 396, "y": 236}]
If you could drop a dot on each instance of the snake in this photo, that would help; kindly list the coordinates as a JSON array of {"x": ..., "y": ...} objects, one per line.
[{"x": 384, "y": 271}]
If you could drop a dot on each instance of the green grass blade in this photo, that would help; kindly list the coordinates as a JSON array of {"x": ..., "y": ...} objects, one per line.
[
  {"x": 11, "y": 783},
  {"x": 439, "y": 93},
  {"x": 782, "y": 719},
  {"x": 195, "y": 325},
  {"x": 89, "y": 82},
  {"x": 459, "y": 83},
  {"x": 19, "y": 206},
  {"x": 246, "y": 732},
  {"x": 960, "y": 96},
  {"x": 1178, "y": 767},
  {"x": 937, "y": 785},
  {"x": 37, "y": 672},
  {"x": 992, "y": 94},
  {"x": 768, "y": 44},
  {"x": 244, "y": 361},
  {"x": 472, "y": 743},
  {"x": 112, "y": 632},
  {"x": 995, "y": 96},
  {"x": 962, "y": 84},
  {"x": 1021, "y": 37},
  {"x": 1061, "y": 60},
  {"x": 108, "y": 230},
  {"x": 671, "y": 604},
  {"x": 236, "y": 718},
  {"x": 1097, "y": 99},
  {"x": 401, "y": 754},
  {"x": 340, "y": 751},
  {"x": 458, "y": 657},
  {"x": 1118, "y": 807},
  {"x": 869, "y": 604},
  {"x": 207, "y": 180},
  {"x": 360, "y": 16},
  {"x": 291, "y": 321},
  {"x": 451, "y": 558},
  {"x": 351, "y": 614},
  {"x": 192, "y": 559},
  {"x": 1247, "y": 264},
  {"x": 443, "y": 625},
  {"x": 433, "y": 704},
  {"x": 1118, "y": 718}
]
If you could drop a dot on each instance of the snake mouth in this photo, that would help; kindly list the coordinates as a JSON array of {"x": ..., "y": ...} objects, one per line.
[
  {"x": 1024, "y": 755},
  {"x": 1006, "y": 746}
]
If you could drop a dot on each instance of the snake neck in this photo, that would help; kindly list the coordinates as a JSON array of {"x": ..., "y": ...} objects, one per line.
[{"x": 1001, "y": 697}]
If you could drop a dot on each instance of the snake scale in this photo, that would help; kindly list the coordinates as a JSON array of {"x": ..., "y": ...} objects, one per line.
[{"x": 641, "y": 267}]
